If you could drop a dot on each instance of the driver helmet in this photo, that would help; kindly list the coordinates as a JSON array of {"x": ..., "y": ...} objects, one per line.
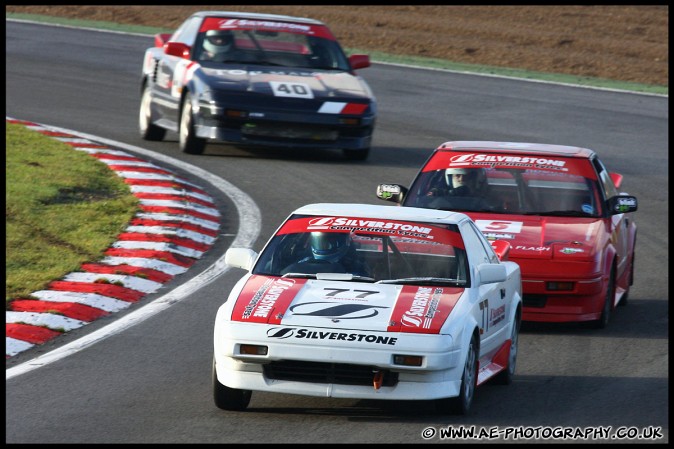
[
  {"x": 329, "y": 246},
  {"x": 471, "y": 179},
  {"x": 218, "y": 41}
]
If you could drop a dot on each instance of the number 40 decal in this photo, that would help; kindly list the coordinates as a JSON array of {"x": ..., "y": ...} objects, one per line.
[{"x": 296, "y": 90}]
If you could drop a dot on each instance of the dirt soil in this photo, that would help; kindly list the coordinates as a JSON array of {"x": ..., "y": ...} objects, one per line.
[{"x": 624, "y": 43}]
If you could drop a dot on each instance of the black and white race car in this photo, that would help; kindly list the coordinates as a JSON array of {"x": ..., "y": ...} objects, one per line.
[{"x": 256, "y": 79}]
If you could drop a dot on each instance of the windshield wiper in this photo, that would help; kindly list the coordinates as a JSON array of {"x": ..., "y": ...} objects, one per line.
[
  {"x": 330, "y": 276},
  {"x": 424, "y": 281}
]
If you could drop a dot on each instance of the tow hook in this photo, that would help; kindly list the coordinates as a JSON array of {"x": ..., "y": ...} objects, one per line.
[{"x": 378, "y": 379}]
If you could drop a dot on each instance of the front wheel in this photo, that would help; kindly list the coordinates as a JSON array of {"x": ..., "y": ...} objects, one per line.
[
  {"x": 603, "y": 320},
  {"x": 188, "y": 140},
  {"x": 148, "y": 130},
  {"x": 461, "y": 404},
  {"x": 227, "y": 398}
]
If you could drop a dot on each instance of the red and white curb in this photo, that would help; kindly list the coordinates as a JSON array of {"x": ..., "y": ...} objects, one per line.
[{"x": 177, "y": 224}]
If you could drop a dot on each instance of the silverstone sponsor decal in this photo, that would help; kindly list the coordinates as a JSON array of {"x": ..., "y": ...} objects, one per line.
[
  {"x": 292, "y": 90},
  {"x": 423, "y": 309},
  {"x": 376, "y": 227},
  {"x": 264, "y": 299},
  {"x": 499, "y": 226},
  {"x": 502, "y": 160},
  {"x": 215, "y": 23},
  {"x": 496, "y": 315},
  {"x": 307, "y": 334},
  {"x": 562, "y": 166}
]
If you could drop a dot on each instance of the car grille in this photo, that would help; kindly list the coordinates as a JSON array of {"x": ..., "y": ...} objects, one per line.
[
  {"x": 332, "y": 373},
  {"x": 534, "y": 300},
  {"x": 289, "y": 131}
]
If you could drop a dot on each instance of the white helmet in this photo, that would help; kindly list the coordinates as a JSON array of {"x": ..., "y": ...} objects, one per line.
[
  {"x": 218, "y": 41},
  {"x": 472, "y": 178}
]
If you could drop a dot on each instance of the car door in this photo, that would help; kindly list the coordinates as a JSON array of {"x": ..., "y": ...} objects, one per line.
[
  {"x": 491, "y": 308},
  {"x": 170, "y": 70}
]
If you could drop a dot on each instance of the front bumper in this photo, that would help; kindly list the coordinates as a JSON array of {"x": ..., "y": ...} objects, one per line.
[
  {"x": 583, "y": 303},
  {"x": 284, "y": 128},
  {"x": 439, "y": 376}
]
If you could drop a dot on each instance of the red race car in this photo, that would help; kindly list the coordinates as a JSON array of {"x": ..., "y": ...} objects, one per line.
[{"x": 559, "y": 208}]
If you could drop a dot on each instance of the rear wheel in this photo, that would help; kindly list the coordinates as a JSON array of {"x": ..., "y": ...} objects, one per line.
[
  {"x": 227, "y": 398},
  {"x": 357, "y": 155},
  {"x": 505, "y": 377},
  {"x": 461, "y": 404},
  {"x": 188, "y": 140},
  {"x": 148, "y": 130}
]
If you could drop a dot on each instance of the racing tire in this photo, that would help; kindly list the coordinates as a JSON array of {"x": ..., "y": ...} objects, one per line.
[
  {"x": 630, "y": 281},
  {"x": 148, "y": 131},
  {"x": 505, "y": 377},
  {"x": 605, "y": 317},
  {"x": 226, "y": 398},
  {"x": 461, "y": 404},
  {"x": 187, "y": 138},
  {"x": 357, "y": 155}
]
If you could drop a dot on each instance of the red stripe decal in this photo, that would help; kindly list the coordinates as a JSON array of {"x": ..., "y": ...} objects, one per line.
[
  {"x": 265, "y": 299},
  {"x": 423, "y": 309}
]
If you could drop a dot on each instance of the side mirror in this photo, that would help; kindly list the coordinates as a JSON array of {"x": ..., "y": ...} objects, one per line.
[
  {"x": 622, "y": 204},
  {"x": 501, "y": 248},
  {"x": 240, "y": 258},
  {"x": 177, "y": 49},
  {"x": 391, "y": 192},
  {"x": 359, "y": 61},
  {"x": 491, "y": 272}
]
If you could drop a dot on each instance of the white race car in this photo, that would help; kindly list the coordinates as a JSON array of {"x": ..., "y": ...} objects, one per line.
[{"x": 369, "y": 302}]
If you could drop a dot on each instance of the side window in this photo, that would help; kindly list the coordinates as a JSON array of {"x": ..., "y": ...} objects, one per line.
[
  {"x": 608, "y": 188},
  {"x": 187, "y": 32},
  {"x": 477, "y": 247}
]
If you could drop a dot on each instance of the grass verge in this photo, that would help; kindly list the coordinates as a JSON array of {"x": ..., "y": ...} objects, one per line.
[{"x": 62, "y": 208}]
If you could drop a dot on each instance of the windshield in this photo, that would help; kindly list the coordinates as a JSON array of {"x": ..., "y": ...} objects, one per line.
[
  {"x": 567, "y": 189},
  {"x": 233, "y": 41},
  {"x": 379, "y": 251}
]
